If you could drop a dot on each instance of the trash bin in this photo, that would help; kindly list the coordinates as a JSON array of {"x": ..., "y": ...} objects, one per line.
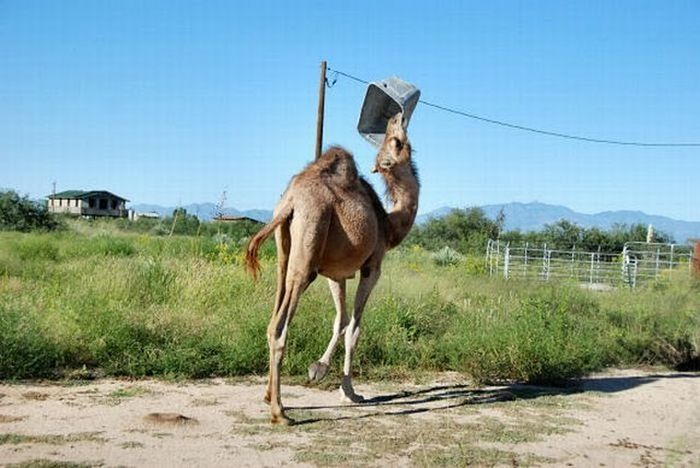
[{"x": 383, "y": 100}]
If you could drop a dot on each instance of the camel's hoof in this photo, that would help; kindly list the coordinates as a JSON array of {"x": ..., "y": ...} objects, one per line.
[
  {"x": 350, "y": 398},
  {"x": 317, "y": 371},
  {"x": 281, "y": 420}
]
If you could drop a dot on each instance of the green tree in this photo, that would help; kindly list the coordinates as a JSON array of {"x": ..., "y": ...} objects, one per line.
[
  {"x": 464, "y": 230},
  {"x": 182, "y": 223},
  {"x": 22, "y": 214},
  {"x": 563, "y": 234}
]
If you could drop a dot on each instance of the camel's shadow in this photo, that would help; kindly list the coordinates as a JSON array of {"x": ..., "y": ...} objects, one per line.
[{"x": 444, "y": 397}]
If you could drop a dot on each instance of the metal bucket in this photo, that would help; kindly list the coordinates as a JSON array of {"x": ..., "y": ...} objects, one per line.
[{"x": 383, "y": 100}]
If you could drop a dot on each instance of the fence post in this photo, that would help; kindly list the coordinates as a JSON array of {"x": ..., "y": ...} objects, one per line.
[
  {"x": 506, "y": 261},
  {"x": 525, "y": 264},
  {"x": 656, "y": 267},
  {"x": 489, "y": 256},
  {"x": 573, "y": 255},
  {"x": 626, "y": 267},
  {"x": 590, "y": 276},
  {"x": 696, "y": 259},
  {"x": 670, "y": 273}
]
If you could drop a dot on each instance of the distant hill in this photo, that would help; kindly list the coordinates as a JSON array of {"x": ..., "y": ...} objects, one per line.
[
  {"x": 523, "y": 216},
  {"x": 533, "y": 216},
  {"x": 204, "y": 211}
]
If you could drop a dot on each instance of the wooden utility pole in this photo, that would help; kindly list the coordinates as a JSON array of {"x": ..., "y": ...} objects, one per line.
[{"x": 321, "y": 105}]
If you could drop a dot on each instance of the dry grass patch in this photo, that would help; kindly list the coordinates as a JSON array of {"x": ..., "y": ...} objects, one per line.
[
  {"x": 52, "y": 439},
  {"x": 130, "y": 392},
  {"x": 34, "y": 395},
  {"x": 131, "y": 445},
  {"x": 4, "y": 418},
  {"x": 463, "y": 432},
  {"x": 44, "y": 463},
  {"x": 205, "y": 402}
]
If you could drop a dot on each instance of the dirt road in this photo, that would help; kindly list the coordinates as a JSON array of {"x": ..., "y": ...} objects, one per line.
[{"x": 621, "y": 418}]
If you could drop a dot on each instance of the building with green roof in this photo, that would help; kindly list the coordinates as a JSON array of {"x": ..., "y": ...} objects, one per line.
[{"x": 93, "y": 203}]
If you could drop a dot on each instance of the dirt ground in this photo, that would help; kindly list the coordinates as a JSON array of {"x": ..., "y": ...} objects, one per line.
[{"x": 620, "y": 418}]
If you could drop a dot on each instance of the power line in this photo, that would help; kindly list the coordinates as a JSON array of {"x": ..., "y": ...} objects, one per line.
[{"x": 528, "y": 129}]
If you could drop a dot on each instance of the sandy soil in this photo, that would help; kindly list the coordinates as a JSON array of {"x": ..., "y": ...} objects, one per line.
[{"x": 620, "y": 418}]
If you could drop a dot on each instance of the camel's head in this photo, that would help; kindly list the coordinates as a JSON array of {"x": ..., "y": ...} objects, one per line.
[{"x": 396, "y": 149}]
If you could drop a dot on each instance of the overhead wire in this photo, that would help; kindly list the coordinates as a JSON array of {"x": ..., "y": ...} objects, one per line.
[{"x": 523, "y": 127}]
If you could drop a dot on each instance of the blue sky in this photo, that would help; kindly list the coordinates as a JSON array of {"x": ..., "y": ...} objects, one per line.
[{"x": 172, "y": 102}]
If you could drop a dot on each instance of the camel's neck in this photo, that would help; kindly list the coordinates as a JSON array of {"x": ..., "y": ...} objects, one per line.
[{"x": 403, "y": 188}]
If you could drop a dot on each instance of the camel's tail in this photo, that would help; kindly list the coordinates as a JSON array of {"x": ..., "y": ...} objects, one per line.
[{"x": 251, "y": 259}]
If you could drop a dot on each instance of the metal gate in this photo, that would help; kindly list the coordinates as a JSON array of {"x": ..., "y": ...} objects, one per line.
[{"x": 638, "y": 262}]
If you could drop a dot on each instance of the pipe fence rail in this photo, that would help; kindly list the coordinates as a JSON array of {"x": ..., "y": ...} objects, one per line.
[{"x": 639, "y": 262}]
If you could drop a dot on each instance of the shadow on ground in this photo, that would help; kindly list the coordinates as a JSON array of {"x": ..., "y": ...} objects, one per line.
[{"x": 441, "y": 397}]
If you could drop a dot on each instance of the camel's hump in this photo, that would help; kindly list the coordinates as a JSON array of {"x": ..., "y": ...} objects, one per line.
[{"x": 336, "y": 165}]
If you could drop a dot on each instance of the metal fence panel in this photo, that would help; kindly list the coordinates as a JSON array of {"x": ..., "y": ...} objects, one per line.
[{"x": 639, "y": 262}]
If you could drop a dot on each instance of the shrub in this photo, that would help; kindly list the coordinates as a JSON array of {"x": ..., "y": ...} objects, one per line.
[
  {"x": 22, "y": 214},
  {"x": 466, "y": 231},
  {"x": 547, "y": 337},
  {"x": 26, "y": 349},
  {"x": 37, "y": 248},
  {"x": 446, "y": 257},
  {"x": 114, "y": 246},
  {"x": 151, "y": 283}
]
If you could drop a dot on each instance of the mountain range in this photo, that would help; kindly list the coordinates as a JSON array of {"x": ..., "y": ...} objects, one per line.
[
  {"x": 522, "y": 216},
  {"x": 533, "y": 216},
  {"x": 204, "y": 211}
]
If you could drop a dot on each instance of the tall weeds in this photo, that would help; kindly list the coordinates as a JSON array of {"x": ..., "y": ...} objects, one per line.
[{"x": 136, "y": 305}]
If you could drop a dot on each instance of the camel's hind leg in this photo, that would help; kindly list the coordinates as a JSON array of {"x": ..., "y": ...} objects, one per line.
[
  {"x": 283, "y": 243},
  {"x": 277, "y": 337},
  {"x": 318, "y": 369},
  {"x": 306, "y": 247}
]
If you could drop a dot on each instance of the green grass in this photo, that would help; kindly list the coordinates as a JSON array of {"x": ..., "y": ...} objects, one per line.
[
  {"x": 139, "y": 305},
  {"x": 129, "y": 392}
]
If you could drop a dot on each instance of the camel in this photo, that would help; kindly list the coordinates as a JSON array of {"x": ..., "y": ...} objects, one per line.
[{"x": 331, "y": 222}]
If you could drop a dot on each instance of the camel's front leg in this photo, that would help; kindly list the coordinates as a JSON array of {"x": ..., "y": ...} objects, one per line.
[
  {"x": 318, "y": 369},
  {"x": 367, "y": 281}
]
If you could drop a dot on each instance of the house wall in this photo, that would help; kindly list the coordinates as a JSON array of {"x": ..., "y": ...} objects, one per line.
[
  {"x": 65, "y": 206},
  {"x": 104, "y": 206},
  {"x": 95, "y": 206}
]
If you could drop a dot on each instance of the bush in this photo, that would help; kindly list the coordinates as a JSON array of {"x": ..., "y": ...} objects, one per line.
[
  {"x": 550, "y": 335},
  {"x": 466, "y": 231},
  {"x": 37, "y": 248},
  {"x": 26, "y": 349},
  {"x": 22, "y": 214},
  {"x": 446, "y": 257}
]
